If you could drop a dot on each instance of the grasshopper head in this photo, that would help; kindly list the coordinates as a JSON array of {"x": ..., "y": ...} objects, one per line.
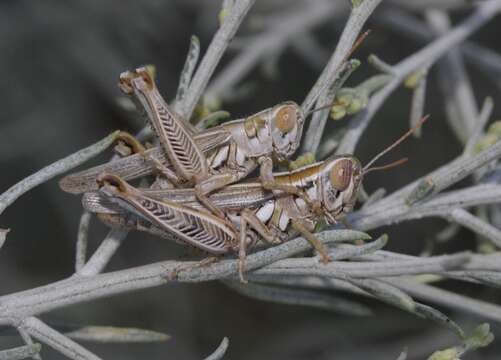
[
  {"x": 286, "y": 126},
  {"x": 341, "y": 179}
]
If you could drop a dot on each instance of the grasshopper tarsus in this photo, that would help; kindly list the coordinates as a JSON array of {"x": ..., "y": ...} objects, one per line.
[
  {"x": 241, "y": 270},
  {"x": 174, "y": 274}
]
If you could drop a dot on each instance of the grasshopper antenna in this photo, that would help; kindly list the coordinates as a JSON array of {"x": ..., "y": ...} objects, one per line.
[
  {"x": 323, "y": 107},
  {"x": 355, "y": 46},
  {"x": 387, "y": 166},
  {"x": 392, "y": 146}
]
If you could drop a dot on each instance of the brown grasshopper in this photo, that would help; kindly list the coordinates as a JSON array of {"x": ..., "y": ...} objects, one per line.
[
  {"x": 268, "y": 216},
  {"x": 254, "y": 211},
  {"x": 208, "y": 160},
  {"x": 232, "y": 150}
]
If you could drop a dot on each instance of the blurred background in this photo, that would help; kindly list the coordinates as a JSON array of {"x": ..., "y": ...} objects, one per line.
[{"x": 61, "y": 62}]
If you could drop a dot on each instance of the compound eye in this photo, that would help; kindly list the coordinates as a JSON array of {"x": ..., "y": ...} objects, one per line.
[
  {"x": 286, "y": 118},
  {"x": 340, "y": 175}
]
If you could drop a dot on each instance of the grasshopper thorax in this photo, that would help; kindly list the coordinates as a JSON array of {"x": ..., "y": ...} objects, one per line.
[{"x": 286, "y": 127}]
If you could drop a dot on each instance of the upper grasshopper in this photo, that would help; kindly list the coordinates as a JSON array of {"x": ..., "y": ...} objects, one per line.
[{"x": 207, "y": 160}]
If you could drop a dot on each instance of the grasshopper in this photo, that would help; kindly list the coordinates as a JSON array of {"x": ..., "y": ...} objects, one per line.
[
  {"x": 264, "y": 214},
  {"x": 254, "y": 211},
  {"x": 232, "y": 150},
  {"x": 207, "y": 160}
]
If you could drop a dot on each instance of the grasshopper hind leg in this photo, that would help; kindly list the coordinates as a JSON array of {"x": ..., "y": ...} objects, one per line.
[
  {"x": 204, "y": 199},
  {"x": 249, "y": 219}
]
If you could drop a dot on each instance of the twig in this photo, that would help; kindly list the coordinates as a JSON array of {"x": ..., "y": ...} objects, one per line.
[
  {"x": 112, "y": 334},
  {"x": 450, "y": 174},
  {"x": 485, "y": 59},
  {"x": 82, "y": 239},
  {"x": 3, "y": 236},
  {"x": 430, "y": 313},
  {"x": 21, "y": 352},
  {"x": 449, "y": 299},
  {"x": 28, "y": 341},
  {"x": 320, "y": 117},
  {"x": 380, "y": 65},
  {"x": 428, "y": 55},
  {"x": 53, "y": 170},
  {"x": 473, "y": 223},
  {"x": 213, "y": 55},
  {"x": 418, "y": 103},
  {"x": 425, "y": 4},
  {"x": 78, "y": 289},
  {"x": 368, "y": 287},
  {"x": 455, "y": 84},
  {"x": 424, "y": 187},
  {"x": 403, "y": 355},
  {"x": 358, "y": 17},
  {"x": 480, "y": 337},
  {"x": 479, "y": 126},
  {"x": 220, "y": 351},
  {"x": 306, "y": 267},
  {"x": 291, "y": 296},
  {"x": 391, "y": 210},
  {"x": 56, "y": 340},
  {"x": 187, "y": 73},
  {"x": 103, "y": 254},
  {"x": 386, "y": 293},
  {"x": 425, "y": 292},
  {"x": 345, "y": 251},
  {"x": 277, "y": 35}
]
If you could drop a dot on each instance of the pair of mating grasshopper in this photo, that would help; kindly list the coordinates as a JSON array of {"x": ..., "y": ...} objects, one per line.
[{"x": 197, "y": 202}]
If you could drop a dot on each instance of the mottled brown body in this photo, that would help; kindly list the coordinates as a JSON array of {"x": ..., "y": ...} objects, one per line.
[{"x": 208, "y": 160}]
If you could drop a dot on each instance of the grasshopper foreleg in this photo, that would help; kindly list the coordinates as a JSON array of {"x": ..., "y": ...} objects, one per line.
[
  {"x": 269, "y": 183},
  {"x": 321, "y": 249}
]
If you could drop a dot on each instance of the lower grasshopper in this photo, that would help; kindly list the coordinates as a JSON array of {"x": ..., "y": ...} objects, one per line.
[
  {"x": 272, "y": 217},
  {"x": 254, "y": 211}
]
